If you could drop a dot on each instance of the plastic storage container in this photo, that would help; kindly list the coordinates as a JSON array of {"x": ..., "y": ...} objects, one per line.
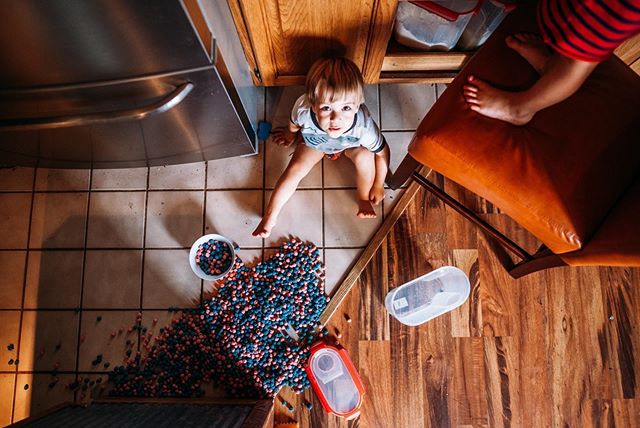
[
  {"x": 335, "y": 380},
  {"x": 429, "y": 296},
  {"x": 483, "y": 23},
  {"x": 432, "y": 25}
]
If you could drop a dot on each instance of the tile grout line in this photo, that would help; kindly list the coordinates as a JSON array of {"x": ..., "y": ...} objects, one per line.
[{"x": 24, "y": 292}]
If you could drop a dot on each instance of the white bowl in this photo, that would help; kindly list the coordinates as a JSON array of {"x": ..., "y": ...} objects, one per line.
[{"x": 194, "y": 249}]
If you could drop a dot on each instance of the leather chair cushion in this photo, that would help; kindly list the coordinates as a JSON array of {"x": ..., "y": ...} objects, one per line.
[
  {"x": 617, "y": 241},
  {"x": 559, "y": 175}
]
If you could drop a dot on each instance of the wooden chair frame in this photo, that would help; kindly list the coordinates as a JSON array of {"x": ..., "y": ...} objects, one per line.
[{"x": 542, "y": 259}]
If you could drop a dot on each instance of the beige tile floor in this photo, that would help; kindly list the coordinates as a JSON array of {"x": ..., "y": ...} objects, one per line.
[{"x": 82, "y": 252}]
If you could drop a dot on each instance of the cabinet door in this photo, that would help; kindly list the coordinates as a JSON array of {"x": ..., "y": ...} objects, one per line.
[{"x": 282, "y": 38}]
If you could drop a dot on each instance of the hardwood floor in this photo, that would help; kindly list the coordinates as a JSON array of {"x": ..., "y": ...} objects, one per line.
[{"x": 555, "y": 348}]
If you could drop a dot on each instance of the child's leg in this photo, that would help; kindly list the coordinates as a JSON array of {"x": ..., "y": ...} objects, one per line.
[
  {"x": 532, "y": 48},
  {"x": 561, "y": 77},
  {"x": 364, "y": 162},
  {"x": 304, "y": 158}
]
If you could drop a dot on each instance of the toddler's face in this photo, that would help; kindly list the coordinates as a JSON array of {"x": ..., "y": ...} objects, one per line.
[{"x": 335, "y": 117}]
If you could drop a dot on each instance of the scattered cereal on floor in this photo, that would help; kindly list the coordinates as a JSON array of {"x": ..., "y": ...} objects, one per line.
[{"x": 234, "y": 339}]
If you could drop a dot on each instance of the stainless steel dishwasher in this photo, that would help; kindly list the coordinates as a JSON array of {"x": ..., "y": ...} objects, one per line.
[{"x": 115, "y": 83}]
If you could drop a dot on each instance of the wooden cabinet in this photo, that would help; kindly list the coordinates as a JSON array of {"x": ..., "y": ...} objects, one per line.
[{"x": 282, "y": 38}]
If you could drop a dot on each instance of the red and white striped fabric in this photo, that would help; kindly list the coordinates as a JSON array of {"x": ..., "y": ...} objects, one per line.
[{"x": 588, "y": 30}]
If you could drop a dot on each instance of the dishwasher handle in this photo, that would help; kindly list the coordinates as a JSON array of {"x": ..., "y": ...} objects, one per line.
[{"x": 160, "y": 106}]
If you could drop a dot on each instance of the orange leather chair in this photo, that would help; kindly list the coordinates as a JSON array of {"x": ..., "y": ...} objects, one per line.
[{"x": 571, "y": 176}]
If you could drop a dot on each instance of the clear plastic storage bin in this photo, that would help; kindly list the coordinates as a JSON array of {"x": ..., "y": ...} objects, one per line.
[
  {"x": 483, "y": 23},
  {"x": 432, "y": 25},
  {"x": 335, "y": 380},
  {"x": 429, "y": 296}
]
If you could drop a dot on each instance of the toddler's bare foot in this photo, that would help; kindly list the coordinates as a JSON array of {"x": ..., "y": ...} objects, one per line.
[
  {"x": 491, "y": 102},
  {"x": 365, "y": 210},
  {"x": 263, "y": 230},
  {"x": 531, "y": 47}
]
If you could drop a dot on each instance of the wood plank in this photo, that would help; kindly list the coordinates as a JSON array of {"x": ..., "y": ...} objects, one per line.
[
  {"x": 629, "y": 50},
  {"x": 468, "y": 402},
  {"x": 426, "y": 77},
  {"x": 498, "y": 291},
  {"x": 461, "y": 233},
  {"x": 428, "y": 209},
  {"x": 572, "y": 330},
  {"x": 407, "y": 375},
  {"x": 375, "y": 372},
  {"x": 635, "y": 66},
  {"x": 373, "y": 286},
  {"x": 616, "y": 339},
  {"x": 502, "y": 381},
  {"x": 436, "y": 347},
  {"x": 530, "y": 337},
  {"x": 466, "y": 321},
  {"x": 425, "y": 61}
]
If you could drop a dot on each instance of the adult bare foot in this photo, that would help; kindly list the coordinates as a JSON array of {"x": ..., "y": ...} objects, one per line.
[
  {"x": 263, "y": 230},
  {"x": 531, "y": 47},
  {"x": 365, "y": 210},
  {"x": 491, "y": 102}
]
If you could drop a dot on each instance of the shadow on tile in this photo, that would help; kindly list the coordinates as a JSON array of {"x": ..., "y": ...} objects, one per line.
[
  {"x": 234, "y": 214},
  {"x": 174, "y": 219}
]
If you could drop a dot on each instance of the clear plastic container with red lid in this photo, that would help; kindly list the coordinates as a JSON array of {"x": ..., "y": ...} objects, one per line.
[
  {"x": 433, "y": 25},
  {"x": 485, "y": 22},
  {"x": 335, "y": 380}
]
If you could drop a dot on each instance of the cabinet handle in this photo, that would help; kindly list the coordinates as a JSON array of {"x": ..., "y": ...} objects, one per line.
[{"x": 160, "y": 106}]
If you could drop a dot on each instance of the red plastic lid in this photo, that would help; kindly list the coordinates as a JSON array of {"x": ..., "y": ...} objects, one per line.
[
  {"x": 445, "y": 12},
  {"x": 508, "y": 5},
  {"x": 334, "y": 380}
]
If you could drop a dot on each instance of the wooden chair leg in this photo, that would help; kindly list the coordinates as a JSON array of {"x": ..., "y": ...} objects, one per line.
[
  {"x": 542, "y": 260},
  {"x": 404, "y": 172}
]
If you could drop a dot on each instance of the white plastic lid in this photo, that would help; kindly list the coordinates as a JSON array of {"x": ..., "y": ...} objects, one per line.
[
  {"x": 334, "y": 380},
  {"x": 428, "y": 296}
]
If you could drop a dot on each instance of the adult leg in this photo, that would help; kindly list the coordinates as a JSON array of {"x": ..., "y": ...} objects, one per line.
[
  {"x": 364, "y": 162},
  {"x": 561, "y": 77},
  {"x": 304, "y": 158}
]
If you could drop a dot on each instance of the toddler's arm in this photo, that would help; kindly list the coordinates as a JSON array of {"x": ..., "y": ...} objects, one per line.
[
  {"x": 285, "y": 136},
  {"x": 382, "y": 167}
]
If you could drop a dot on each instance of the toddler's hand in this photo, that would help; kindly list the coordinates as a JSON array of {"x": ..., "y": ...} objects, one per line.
[
  {"x": 282, "y": 137},
  {"x": 376, "y": 195}
]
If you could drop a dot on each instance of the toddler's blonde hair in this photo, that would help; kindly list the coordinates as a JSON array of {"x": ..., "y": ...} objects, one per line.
[{"x": 335, "y": 78}]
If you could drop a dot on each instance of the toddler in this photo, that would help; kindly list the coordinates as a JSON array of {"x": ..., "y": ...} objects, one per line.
[{"x": 328, "y": 120}]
